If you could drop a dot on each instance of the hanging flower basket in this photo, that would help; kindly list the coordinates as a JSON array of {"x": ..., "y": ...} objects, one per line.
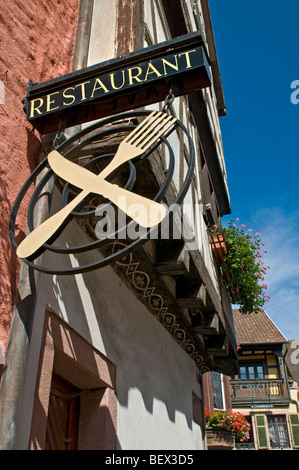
[
  {"x": 238, "y": 254},
  {"x": 223, "y": 427},
  {"x": 220, "y": 439},
  {"x": 220, "y": 252}
]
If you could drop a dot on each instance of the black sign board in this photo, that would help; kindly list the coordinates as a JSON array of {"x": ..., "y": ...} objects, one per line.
[{"x": 128, "y": 82}]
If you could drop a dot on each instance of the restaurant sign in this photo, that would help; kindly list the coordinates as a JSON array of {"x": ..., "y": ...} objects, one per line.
[
  {"x": 124, "y": 83},
  {"x": 100, "y": 185}
]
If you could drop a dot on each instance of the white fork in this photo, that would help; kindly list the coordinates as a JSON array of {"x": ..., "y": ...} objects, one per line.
[{"x": 144, "y": 211}]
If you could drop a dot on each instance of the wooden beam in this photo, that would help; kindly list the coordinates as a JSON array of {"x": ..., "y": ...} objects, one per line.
[
  {"x": 199, "y": 109},
  {"x": 172, "y": 258},
  {"x": 130, "y": 30},
  {"x": 175, "y": 17},
  {"x": 205, "y": 323},
  {"x": 194, "y": 298},
  {"x": 217, "y": 345},
  {"x": 226, "y": 365}
]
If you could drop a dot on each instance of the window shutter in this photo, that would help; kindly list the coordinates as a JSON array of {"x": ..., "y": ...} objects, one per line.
[
  {"x": 261, "y": 431},
  {"x": 294, "y": 424}
]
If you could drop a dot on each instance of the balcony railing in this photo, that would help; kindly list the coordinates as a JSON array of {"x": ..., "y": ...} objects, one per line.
[
  {"x": 258, "y": 391},
  {"x": 245, "y": 446}
]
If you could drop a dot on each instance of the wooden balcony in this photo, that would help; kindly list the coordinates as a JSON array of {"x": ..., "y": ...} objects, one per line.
[{"x": 259, "y": 392}]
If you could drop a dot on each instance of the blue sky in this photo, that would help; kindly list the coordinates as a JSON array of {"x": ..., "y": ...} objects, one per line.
[{"x": 258, "y": 51}]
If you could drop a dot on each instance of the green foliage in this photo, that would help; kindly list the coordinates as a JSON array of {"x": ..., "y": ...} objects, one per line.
[{"x": 244, "y": 261}]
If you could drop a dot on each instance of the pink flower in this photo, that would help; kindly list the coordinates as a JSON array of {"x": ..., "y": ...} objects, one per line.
[
  {"x": 237, "y": 219},
  {"x": 263, "y": 278},
  {"x": 267, "y": 266},
  {"x": 265, "y": 286},
  {"x": 265, "y": 251},
  {"x": 244, "y": 226}
]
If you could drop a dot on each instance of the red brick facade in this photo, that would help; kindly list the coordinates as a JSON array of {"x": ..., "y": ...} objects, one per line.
[{"x": 36, "y": 42}]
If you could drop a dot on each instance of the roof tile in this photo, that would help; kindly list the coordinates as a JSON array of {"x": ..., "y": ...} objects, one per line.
[{"x": 256, "y": 328}]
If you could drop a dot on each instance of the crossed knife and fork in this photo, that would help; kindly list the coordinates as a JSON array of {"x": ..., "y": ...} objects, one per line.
[{"x": 134, "y": 145}]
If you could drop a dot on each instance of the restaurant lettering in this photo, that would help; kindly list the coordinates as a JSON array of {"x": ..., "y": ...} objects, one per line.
[{"x": 109, "y": 83}]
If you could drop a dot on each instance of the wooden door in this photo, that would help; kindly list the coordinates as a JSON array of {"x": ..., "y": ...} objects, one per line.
[{"x": 62, "y": 424}]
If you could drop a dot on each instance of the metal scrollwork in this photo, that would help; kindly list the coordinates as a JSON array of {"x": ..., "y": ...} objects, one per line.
[{"x": 99, "y": 132}]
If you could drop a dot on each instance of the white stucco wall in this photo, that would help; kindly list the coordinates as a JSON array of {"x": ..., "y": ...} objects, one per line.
[
  {"x": 102, "y": 33},
  {"x": 155, "y": 378}
]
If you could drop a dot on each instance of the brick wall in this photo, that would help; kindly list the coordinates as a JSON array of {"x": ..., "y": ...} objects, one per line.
[{"x": 36, "y": 42}]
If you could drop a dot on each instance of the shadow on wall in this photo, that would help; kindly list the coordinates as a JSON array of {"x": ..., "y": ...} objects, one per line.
[{"x": 109, "y": 316}]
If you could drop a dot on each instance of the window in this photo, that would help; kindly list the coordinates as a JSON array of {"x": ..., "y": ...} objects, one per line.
[
  {"x": 251, "y": 372},
  {"x": 278, "y": 433},
  {"x": 217, "y": 390}
]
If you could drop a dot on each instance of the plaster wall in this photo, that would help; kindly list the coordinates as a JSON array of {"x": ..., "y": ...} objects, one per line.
[
  {"x": 102, "y": 34},
  {"x": 154, "y": 408},
  {"x": 294, "y": 394}
]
